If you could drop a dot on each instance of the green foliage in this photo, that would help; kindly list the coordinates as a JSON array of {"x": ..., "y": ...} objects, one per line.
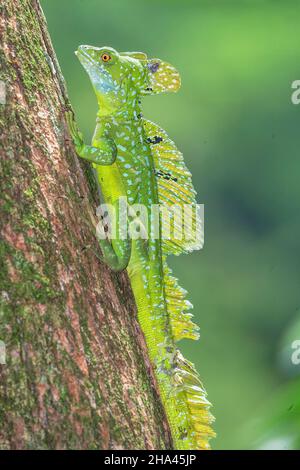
[{"x": 239, "y": 132}]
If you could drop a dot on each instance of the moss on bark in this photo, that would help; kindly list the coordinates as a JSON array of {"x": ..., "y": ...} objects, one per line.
[{"x": 76, "y": 372}]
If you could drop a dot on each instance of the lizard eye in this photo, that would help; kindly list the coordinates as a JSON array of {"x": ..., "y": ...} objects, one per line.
[{"x": 105, "y": 57}]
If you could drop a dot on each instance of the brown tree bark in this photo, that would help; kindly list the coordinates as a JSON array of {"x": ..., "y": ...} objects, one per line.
[{"x": 76, "y": 373}]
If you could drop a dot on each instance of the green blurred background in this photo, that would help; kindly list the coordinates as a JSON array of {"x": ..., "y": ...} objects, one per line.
[{"x": 239, "y": 132}]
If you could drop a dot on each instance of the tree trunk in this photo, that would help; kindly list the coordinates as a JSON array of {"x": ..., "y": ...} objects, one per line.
[{"x": 75, "y": 372}]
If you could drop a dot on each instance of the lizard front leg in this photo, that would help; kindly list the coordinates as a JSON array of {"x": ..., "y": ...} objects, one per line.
[{"x": 103, "y": 153}]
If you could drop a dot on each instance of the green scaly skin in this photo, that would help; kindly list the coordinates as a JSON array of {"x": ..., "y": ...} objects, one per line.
[{"x": 123, "y": 159}]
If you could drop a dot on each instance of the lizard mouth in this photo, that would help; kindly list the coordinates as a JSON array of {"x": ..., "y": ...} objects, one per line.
[{"x": 85, "y": 58}]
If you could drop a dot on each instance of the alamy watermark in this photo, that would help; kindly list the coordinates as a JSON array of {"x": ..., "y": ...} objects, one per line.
[
  {"x": 2, "y": 92},
  {"x": 2, "y": 353},
  {"x": 181, "y": 222},
  {"x": 295, "y": 356},
  {"x": 295, "y": 96}
]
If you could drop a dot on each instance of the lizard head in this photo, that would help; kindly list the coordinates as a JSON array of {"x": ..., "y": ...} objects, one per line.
[{"x": 119, "y": 79}]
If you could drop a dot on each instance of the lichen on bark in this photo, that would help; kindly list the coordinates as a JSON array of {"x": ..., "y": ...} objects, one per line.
[{"x": 76, "y": 373}]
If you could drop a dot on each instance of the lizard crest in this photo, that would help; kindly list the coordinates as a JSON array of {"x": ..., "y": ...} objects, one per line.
[{"x": 134, "y": 157}]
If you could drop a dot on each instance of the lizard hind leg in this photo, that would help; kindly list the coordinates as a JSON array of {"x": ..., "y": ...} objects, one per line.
[
  {"x": 116, "y": 254},
  {"x": 115, "y": 247}
]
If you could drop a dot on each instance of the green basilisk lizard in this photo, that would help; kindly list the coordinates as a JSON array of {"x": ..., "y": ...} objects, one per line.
[{"x": 135, "y": 159}]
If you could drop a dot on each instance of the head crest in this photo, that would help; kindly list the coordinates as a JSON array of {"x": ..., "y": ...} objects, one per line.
[{"x": 161, "y": 76}]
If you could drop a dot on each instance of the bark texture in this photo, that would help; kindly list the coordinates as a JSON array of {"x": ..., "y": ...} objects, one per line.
[{"x": 76, "y": 372}]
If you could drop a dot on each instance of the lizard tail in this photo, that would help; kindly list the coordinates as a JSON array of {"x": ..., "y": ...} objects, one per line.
[
  {"x": 190, "y": 393},
  {"x": 164, "y": 319}
]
